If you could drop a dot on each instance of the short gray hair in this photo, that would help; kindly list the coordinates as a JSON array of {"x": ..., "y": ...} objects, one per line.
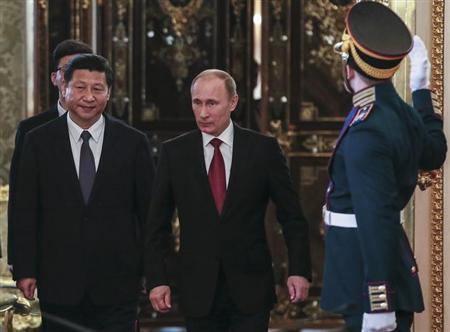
[{"x": 228, "y": 81}]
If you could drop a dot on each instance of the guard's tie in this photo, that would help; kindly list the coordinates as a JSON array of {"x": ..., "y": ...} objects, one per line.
[
  {"x": 216, "y": 175},
  {"x": 87, "y": 167}
]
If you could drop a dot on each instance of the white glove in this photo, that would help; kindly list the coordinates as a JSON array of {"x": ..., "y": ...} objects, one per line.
[
  {"x": 380, "y": 322},
  {"x": 419, "y": 77}
]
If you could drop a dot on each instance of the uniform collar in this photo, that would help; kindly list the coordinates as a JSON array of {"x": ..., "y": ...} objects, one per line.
[{"x": 370, "y": 94}]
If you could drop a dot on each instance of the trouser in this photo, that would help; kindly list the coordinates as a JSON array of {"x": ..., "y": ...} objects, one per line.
[
  {"x": 88, "y": 317},
  {"x": 226, "y": 317}
]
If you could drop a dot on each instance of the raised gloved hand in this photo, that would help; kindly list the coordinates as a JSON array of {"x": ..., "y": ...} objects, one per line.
[
  {"x": 379, "y": 322},
  {"x": 420, "y": 66}
]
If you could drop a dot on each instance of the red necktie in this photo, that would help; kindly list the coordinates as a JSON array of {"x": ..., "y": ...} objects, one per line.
[{"x": 216, "y": 175}]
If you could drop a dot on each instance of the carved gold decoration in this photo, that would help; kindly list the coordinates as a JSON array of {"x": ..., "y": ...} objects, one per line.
[
  {"x": 237, "y": 5},
  {"x": 278, "y": 63},
  {"x": 85, "y": 4},
  {"x": 277, "y": 8},
  {"x": 318, "y": 143},
  {"x": 4, "y": 193},
  {"x": 42, "y": 4},
  {"x": 310, "y": 112},
  {"x": 324, "y": 24},
  {"x": 437, "y": 268},
  {"x": 426, "y": 179},
  {"x": 19, "y": 314},
  {"x": 121, "y": 98},
  {"x": 237, "y": 46},
  {"x": 180, "y": 15},
  {"x": 283, "y": 137},
  {"x": 81, "y": 20},
  {"x": 180, "y": 36}
]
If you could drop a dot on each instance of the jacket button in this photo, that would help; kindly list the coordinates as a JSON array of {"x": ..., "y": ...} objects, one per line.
[{"x": 413, "y": 269}]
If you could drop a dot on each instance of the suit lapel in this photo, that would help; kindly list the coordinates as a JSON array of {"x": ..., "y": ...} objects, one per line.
[
  {"x": 106, "y": 157},
  {"x": 240, "y": 154},
  {"x": 64, "y": 157}
]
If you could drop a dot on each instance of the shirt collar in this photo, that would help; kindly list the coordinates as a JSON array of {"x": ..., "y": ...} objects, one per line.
[
  {"x": 95, "y": 130},
  {"x": 226, "y": 136},
  {"x": 61, "y": 109}
]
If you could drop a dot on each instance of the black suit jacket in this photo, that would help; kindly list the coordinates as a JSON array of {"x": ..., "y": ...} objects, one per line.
[
  {"x": 22, "y": 129},
  {"x": 75, "y": 249},
  {"x": 235, "y": 240}
]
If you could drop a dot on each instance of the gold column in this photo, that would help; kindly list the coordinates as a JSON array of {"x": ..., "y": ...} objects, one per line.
[{"x": 437, "y": 243}]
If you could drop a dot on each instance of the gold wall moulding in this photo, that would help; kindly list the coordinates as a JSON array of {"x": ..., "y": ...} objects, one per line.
[
  {"x": 437, "y": 236},
  {"x": 426, "y": 179},
  {"x": 4, "y": 193}
]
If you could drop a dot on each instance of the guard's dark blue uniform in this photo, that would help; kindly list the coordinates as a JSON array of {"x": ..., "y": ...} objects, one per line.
[{"x": 373, "y": 173}]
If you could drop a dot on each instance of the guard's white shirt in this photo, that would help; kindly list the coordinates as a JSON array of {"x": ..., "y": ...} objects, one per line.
[
  {"x": 226, "y": 148},
  {"x": 97, "y": 131}
]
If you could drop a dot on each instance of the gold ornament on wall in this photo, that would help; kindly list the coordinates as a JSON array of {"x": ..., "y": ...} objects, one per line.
[
  {"x": 180, "y": 15},
  {"x": 437, "y": 211}
]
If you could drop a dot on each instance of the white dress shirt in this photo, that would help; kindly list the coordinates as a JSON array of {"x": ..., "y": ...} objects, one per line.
[
  {"x": 61, "y": 110},
  {"x": 97, "y": 131},
  {"x": 226, "y": 148}
]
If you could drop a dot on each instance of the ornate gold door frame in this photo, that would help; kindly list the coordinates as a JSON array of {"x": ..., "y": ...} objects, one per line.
[{"x": 437, "y": 212}]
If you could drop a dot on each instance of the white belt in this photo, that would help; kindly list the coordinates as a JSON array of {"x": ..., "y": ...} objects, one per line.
[{"x": 339, "y": 219}]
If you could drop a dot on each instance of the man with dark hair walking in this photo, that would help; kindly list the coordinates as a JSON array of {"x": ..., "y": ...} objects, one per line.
[
  {"x": 82, "y": 197},
  {"x": 61, "y": 55}
]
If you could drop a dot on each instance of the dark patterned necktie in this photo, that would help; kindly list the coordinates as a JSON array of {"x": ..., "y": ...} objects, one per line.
[
  {"x": 216, "y": 175},
  {"x": 87, "y": 167}
]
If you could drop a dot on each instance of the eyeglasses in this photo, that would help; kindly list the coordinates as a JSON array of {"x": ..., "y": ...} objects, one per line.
[{"x": 62, "y": 68}]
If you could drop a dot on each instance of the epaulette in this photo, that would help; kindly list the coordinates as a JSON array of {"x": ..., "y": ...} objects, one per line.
[{"x": 364, "y": 102}]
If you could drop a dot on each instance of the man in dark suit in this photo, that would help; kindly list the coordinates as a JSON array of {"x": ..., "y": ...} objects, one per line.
[
  {"x": 371, "y": 276},
  {"x": 82, "y": 196},
  {"x": 62, "y": 54},
  {"x": 220, "y": 178}
]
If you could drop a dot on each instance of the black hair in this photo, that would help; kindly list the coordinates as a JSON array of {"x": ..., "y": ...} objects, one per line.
[
  {"x": 91, "y": 62},
  {"x": 69, "y": 47}
]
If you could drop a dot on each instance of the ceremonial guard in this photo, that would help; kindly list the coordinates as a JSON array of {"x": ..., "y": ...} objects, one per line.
[{"x": 371, "y": 277}]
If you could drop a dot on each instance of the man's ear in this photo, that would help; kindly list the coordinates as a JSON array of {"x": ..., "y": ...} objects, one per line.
[
  {"x": 64, "y": 89},
  {"x": 53, "y": 78},
  {"x": 234, "y": 102},
  {"x": 349, "y": 71}
]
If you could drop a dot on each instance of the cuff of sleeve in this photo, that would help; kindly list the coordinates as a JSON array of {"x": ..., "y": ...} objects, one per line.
[
  {"x": 422, "y": 100},
  {"x": 378, "y": 297},
  {"x": 304, "y": 271}
]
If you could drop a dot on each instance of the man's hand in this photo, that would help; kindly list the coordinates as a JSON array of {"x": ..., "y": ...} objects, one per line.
[
  {"x": 298, "y": 288},
  {"x": 160, "y": 298},
  {"x": 27, "y": 286},
  {"x": 379, "y": 322},
  {"x": 419, "y": 77}
]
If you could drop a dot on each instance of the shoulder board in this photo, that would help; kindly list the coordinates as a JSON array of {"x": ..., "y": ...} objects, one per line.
[{"x": 362, "y": 114}]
